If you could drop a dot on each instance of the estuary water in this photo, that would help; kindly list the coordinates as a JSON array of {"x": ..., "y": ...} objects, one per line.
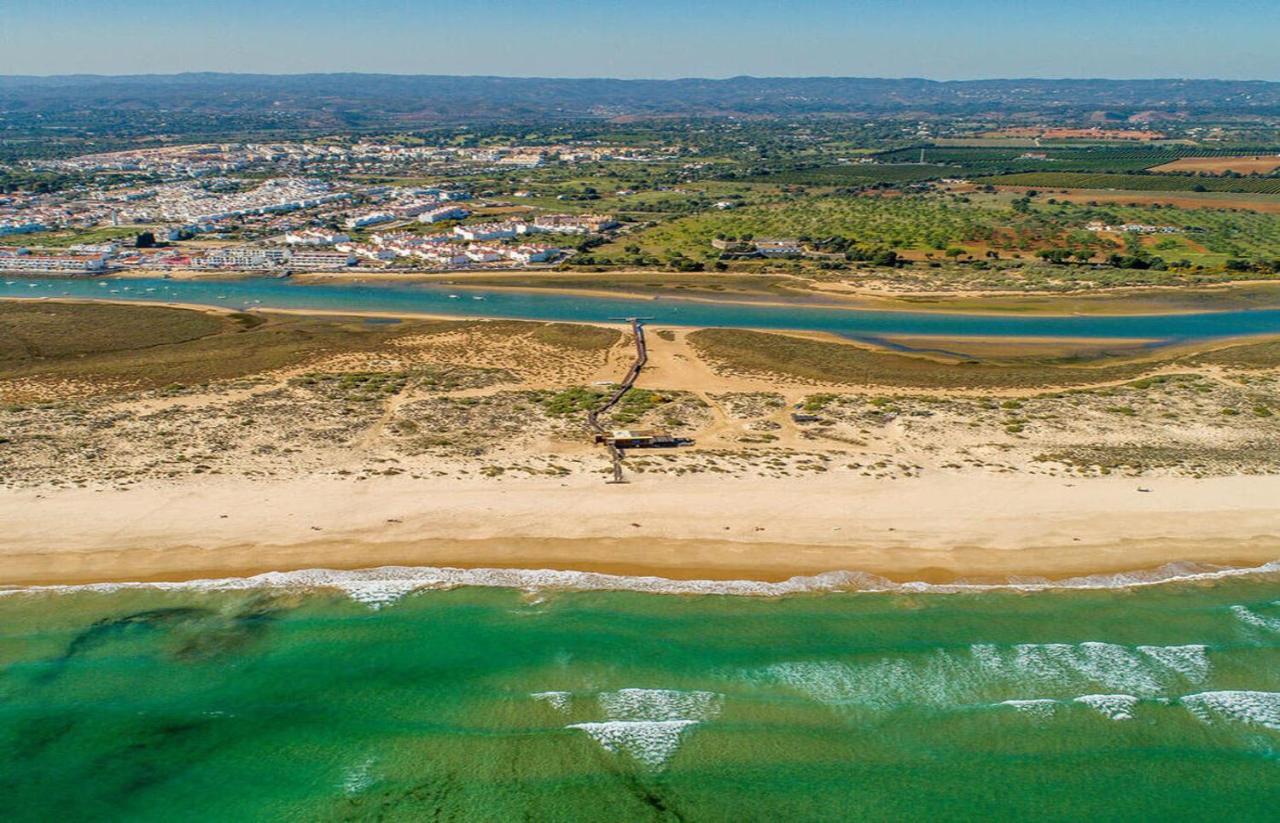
[
  {"x": 353, "y": 701},
  {"x": 470, "y": 302}
]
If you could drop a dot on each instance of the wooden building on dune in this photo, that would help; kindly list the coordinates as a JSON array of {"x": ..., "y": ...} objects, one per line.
[{"x": 637, "y": 439}]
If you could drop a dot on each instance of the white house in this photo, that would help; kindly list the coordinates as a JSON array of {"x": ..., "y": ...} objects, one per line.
[
  {"x": 315, "y": 237},
  {"x": 373, "y": 219},
  {"x": 487, "y": 231},
  {"x": 443, "y": 213}
]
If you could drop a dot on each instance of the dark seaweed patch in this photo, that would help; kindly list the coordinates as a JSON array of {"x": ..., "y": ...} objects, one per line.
[{"x": 196, "y": 632}]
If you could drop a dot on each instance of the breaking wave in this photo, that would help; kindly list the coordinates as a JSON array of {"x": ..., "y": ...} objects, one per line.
[
  {"x": 1248, "y": 707},
  {"x": 382, "y": 586},
  {"x": 1041, "y": 708},
  {"x": 1258, "y": 621},
  {"x": 652, "y": 742},
  {"x": 560, "y": 701},
  {"x": 646, "y": 724},
  {"x": 987, "y": 673},
  {"x": 1111, "y": 706}
]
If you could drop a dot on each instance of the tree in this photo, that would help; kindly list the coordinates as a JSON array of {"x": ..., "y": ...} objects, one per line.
[
  {"x": 1054, "y": 255},
  {"x": 145, "y": 240},
  {"x": 888, "y": 257}
]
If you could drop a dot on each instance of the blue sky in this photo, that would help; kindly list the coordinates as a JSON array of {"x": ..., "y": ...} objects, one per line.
[{"x": 958, "y": 39}]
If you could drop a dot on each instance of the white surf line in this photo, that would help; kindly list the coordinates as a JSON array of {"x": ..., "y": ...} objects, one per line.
[{"x": 382, "y": 585}]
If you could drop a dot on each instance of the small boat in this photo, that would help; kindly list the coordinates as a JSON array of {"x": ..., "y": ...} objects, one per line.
[
  {"x": 103, "y": 285},
  {"x": 477, "y": 297},
  {"x": 10, "y": 282},
  {"x": 453, "y": 297}
]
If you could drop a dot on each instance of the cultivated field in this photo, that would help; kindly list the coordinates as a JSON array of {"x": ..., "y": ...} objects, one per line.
[
  {"x": 974, "y": 224},
  {"x": 1137, "y": 182},
  {"x": 1265, "y": 203},
  {"x": 1250, "y": 164}
]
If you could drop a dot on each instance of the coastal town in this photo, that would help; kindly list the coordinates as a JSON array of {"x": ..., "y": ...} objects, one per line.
[
  {"x": 297, "y": 206},
  {"x": 302, "y": 224}
]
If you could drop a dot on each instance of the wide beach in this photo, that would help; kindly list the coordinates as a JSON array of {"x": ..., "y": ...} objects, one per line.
[{"x": 935, "y": 529}]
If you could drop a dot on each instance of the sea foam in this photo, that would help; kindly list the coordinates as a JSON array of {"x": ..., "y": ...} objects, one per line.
[
  {"x": 1248, "y": 707},
  {"x": 383, "y": 585},
  {"x": 560, "y": 701},
  {"x": 1112, "y": 706},
  {"x": 990, "y": 672},
  {"x": 646, "y": 724},
  {"x": 660, "y": 704},
  {"x": 1041, "y": 708},
  {"x": 358, "y": 778},
  {"x": 1257, "y": 621},
  {"x": 652, "y": 742}
]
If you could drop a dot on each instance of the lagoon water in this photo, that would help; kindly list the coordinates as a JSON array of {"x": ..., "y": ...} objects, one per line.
[
  {"x": 467, "y": 302},
  {"x": 474, "y": 703}
]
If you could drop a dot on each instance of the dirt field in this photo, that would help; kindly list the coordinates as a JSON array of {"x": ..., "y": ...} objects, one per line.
[{"x": 1262, "y": 164}]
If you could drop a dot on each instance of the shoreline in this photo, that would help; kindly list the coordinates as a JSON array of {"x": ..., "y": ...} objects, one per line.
[
  {"x": 935, "y": 530},
  {"x": 381, "y": 584}
]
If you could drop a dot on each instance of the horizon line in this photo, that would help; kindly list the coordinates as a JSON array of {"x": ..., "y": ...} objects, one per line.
[{"x": 583, "y": 78}]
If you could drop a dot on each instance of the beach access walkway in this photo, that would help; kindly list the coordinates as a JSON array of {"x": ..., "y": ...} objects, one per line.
[{"x": 628, "y": 382}]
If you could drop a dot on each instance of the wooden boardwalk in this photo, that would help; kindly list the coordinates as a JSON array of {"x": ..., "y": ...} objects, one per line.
[{"x": 628, "y": 382}]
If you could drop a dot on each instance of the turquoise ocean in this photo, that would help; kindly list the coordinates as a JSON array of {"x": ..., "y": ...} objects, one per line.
[{"x": 433, "y": 695}]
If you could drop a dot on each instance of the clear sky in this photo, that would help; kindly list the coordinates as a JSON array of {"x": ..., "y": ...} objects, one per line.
[{"x": 942, "y": 39}]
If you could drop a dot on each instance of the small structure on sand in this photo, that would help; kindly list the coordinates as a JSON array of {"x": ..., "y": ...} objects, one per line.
[{"x": 637, "y": 439}]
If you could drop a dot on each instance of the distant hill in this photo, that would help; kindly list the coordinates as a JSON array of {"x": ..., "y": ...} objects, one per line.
[{"x": 376, "y": 100}]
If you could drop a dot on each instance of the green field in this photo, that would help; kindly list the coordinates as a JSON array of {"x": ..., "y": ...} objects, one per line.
[
  {"x": 933, "y": 223},
  {"x": 1094, "y": 158},
  {"x": 1138, "y": 182},
  {"x": 68, "y": 237},
  {"x": 857, "y": 175},
  {"x": 919, "y": 163},
  {"x": 897, "y": 222},
  {"x": 1222, "y": 232}
]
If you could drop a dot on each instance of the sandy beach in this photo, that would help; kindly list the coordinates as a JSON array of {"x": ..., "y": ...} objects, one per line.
[{"x": 938, "y": 529}]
